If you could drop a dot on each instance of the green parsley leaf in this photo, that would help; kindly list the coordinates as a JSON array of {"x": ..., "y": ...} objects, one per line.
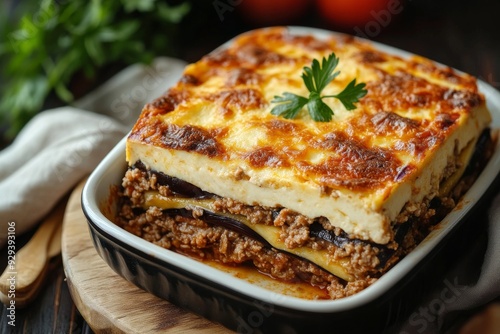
[
  {"x": 351, "y": 94},
  {"x": 290, "y": 105},
  {"x": 59, "y": 47},
  {"x": 319, "y": 110},
  {"x": 316, "y": 78}
]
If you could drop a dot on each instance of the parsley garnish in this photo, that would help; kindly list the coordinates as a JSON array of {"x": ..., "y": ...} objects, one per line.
[
  {"x": 59, "y": 47},
  {"x": 316, "y": 78}
]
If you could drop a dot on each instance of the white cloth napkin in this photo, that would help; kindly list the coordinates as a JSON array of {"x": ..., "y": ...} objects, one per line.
[
  {"x": 487, "y": 286},
  {"x": 59, "y": 147},
  {"x": 51, "y": 154}
]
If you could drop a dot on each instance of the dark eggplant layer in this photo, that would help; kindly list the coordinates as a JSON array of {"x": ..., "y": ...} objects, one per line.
[{"x": 185, "y": 189}]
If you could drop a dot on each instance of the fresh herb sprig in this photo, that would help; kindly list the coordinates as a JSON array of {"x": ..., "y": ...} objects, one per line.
[
  {"x": 316, "y": 78},
  {"x": 57, "y": 46}
]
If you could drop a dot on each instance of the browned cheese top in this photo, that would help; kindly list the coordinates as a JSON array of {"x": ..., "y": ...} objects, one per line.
[{"x": 221, "y": 106}]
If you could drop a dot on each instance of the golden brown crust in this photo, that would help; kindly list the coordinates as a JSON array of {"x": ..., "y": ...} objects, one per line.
[
  {"x": 214, "y": 129},
  {"x": 242, "y": 71}
]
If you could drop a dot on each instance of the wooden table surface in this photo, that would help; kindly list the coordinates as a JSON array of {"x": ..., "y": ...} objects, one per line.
[{"x": 461, "y": 34}]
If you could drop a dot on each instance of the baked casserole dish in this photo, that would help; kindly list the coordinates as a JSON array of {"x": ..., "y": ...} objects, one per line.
[{"x": 213, "y": 174}]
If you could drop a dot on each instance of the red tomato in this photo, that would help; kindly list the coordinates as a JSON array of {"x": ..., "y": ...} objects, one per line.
[
  {"x": 352, "y": 13},
  {"x": 272, "y": 12}
]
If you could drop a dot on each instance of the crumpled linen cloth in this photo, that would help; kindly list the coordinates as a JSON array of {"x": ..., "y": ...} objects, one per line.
[
  {"x": 59, "y": 147},
  {"x": 51, "y": 154}
]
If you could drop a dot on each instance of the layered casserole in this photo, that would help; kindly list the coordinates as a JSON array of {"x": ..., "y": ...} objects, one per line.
[{"x": 215, "y": 176}]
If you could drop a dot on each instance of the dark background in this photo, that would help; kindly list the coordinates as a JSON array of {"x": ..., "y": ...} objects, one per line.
[{"x": 461, "y": 34}]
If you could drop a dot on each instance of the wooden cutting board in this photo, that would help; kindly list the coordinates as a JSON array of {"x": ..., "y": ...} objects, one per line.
[{"x": 108, "y": 302}]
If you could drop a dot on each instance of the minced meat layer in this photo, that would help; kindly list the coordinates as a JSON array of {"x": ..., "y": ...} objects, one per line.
[
  {"x": 192, "y": 236},
  {"x": 196, "y": 238},
  {"x": 363, "y": 258}
]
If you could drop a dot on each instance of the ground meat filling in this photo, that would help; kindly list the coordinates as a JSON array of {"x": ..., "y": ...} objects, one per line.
[
  {"x": 194, "y": 237},
  {"x": 188, "y": 231}
]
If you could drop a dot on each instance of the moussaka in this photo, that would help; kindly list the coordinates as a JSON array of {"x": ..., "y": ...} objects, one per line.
[{"x": 214, "y": 175}]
